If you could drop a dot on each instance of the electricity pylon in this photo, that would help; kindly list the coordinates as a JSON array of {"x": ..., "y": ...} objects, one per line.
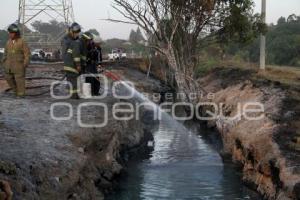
[{"x": 44, "y": 10}]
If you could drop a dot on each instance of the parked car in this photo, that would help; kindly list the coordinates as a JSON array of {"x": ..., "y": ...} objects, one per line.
[
  {"x": 117, "y": 54},
  {"x": 48, "y": 55},
  {"x": 37, "y": 54},
  {"x": 40, "y": 54}
]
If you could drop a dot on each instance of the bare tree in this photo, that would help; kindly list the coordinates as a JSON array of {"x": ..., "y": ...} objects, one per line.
[{"x": 178, "y": 26}]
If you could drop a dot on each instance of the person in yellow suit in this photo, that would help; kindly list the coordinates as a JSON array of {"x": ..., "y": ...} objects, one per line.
[{"x": 15, "y": 60}]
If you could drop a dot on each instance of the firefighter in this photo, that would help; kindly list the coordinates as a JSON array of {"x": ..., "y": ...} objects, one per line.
[
  {"x": 85, "y": 40},
  {"x": 16, "y": 59},
  {"x": 97, "y": 42},
  {"x": 94, "y": 59},
  {"x": 71, "y": 57}
]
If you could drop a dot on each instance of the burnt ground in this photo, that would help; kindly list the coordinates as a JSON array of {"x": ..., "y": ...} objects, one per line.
[{"x": 42, "y": 158}]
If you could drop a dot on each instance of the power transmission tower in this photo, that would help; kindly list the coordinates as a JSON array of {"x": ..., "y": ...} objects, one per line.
[
  {"x": 44, "y": 10},
  {"x": 263, "y": 38}
]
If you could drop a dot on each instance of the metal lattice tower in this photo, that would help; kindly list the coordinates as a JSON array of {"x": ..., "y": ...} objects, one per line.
[{"x": 45, "y": 11}]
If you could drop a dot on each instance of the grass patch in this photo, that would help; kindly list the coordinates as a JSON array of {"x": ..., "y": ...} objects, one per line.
[
  {"x": 205, "y": 66},
  {"x": 286, "y": 75}
]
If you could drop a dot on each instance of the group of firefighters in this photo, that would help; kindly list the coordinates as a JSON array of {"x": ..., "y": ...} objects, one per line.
[{"x": 81, "y": 54}]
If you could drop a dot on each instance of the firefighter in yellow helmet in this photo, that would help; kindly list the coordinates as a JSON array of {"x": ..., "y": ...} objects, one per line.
[{"x": 15, "y": 60}]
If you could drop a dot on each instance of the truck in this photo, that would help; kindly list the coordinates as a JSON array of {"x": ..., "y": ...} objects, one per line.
[{"x": 117, "y": 54}]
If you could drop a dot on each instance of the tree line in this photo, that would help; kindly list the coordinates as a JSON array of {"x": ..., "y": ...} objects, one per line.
[{"x": 283, "y": 44}]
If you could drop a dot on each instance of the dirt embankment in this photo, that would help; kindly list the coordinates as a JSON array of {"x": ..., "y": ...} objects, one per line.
[
  {"x": 266, "y": 149},
  {"x": 43, "y": 158}
]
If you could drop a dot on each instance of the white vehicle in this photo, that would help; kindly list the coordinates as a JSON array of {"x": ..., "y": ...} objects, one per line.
[
  {"x": 36, "y": 53},
  {"x": 48, "y": 54},
  {"x": 2, "y": 50},
  {"x": 117, "y": 54},
  {"x": 41, "y": 54}
]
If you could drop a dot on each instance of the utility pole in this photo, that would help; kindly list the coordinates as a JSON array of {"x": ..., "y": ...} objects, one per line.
[{"x": 263, "y": 38}]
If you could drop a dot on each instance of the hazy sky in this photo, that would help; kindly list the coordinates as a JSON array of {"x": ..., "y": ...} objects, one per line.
[{"x": 88, "y": 13}]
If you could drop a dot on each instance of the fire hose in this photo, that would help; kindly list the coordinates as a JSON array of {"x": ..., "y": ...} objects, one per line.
[
  {"x": 107, "y": 73},
  {"x": 40, "y": 86}
]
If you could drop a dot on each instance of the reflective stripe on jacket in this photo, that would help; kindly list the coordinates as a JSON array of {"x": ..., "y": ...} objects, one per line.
[{"x": 71, "y": 69}]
